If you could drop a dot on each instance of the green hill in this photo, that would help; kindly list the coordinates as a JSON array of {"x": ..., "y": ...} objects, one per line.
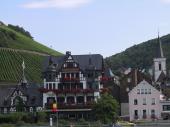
[
  {"x": 139, "y": 56},
  {"x": 15, "y": 46},
  {"x": 10, "y": 38}
]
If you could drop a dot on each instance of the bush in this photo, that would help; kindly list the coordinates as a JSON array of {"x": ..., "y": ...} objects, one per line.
[
  {"x": 20, "y": 123},
  {"x": 83, "y": 122},
  {"x": 6, "y": 125},
  {"x": 42, "y": 116}
]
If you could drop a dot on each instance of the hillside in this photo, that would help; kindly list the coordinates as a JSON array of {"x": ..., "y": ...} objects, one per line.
[
  {"x": 15, "y": 47},
  {"x": 139, "y": 56},
  {"x": 10, "y": 38}
]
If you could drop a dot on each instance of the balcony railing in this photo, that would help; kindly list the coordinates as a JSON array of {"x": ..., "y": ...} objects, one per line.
[
  {"x": 68, "y": 79},
  {"x": 88, "y": 105},
  {"x": 58, "y": 91}
]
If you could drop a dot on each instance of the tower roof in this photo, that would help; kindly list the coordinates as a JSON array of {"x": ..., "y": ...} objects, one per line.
[{"x": 159, "y": 48}]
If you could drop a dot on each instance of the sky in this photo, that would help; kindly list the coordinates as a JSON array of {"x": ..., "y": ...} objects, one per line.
[{"x": 102, "y": 27}]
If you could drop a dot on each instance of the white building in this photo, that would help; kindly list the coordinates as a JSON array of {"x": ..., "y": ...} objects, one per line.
[{"x": 144, "y": 102}]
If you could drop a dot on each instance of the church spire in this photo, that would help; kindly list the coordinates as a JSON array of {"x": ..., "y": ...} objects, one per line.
[
  {"x": 24, "y": 81},
  {"x": 161, "y": 55}
]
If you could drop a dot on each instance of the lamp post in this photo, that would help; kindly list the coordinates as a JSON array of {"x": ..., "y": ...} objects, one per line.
[{"x": 54, "y": 110}]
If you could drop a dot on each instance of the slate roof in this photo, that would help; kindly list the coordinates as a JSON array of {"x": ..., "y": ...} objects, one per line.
[
  {"x": 162, "y": 77},
  {"x": 82, "y": 60},
  {"x": 159, "y": 50},
  {"x": 5, "y": 92}
]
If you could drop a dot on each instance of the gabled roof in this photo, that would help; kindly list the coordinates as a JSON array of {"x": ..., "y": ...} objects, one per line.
[
  {"x": 5, "y": 93},
  {"x": 162, "y": 77},
  {"x": 96, "y": 60},
  {"x": 141, "y": 83}
]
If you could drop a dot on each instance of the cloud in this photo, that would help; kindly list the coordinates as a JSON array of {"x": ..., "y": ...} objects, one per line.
[
  {"x": 166, "y": 1},
  {"x": 56, "y": 4}
]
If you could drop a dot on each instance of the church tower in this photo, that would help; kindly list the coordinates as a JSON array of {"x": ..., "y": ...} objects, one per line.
[{"x": 159, "y": 62}]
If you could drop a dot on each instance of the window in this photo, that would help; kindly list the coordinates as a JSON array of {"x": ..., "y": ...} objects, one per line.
[
  {"x": 136, "y": 114},
  {"x": 142, "y": 91},
  {"x": 50, "y": 86},
  {"x": 129, "y": 80},
  {"x": 152, "y": 112},
  {"x": 160, "y": 67},
  {"x": 166, "y": 107},
  {"x": 77, "y": 75},
  {"x": 135, "y": 102},
  {"x": 53, "y": 85},
  {"x": 144, "y": 114},
  {"x": 50, "y": 77},
  {"x": 144, "y": 101},
  {"x": 138, "y": 91},
  {"x": 46, "y": 85},
  {"x": 149, "y": 91},
  {"x": 146, "y": 92},
  {"x": 153, "y": 101}
]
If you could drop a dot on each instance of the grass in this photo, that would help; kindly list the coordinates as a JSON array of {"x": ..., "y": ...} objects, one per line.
[
  {"x": 11, "y": 60},
  {"x": 12, "y": 39}
]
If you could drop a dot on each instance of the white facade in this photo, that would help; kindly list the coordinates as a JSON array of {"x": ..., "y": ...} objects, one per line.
[
  {"x": 144, "y": 102},
  {"x": 159, "y": 66}
]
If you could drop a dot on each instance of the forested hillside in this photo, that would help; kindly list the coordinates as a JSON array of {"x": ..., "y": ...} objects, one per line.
[{"x": 139, "y": 56}]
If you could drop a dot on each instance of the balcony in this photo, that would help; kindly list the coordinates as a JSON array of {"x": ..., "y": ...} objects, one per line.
[
  {"x": 104, "y": 90},
  {"x": 68, "y": 79},
  {"x": 73, "y": 91},
  {"x": 88, "y": 105}
]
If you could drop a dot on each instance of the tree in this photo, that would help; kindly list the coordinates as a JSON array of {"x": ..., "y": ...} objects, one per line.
[
  {"x": 106, "y": 109},
  {"x": 19, "y": 104}
]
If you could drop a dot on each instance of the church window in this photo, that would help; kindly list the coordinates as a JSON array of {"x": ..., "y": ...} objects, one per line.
[{"x": 160, "y": 67}]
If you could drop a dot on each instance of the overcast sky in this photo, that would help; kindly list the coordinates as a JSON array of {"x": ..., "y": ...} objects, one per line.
[{"x": 89, "y": 26}]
